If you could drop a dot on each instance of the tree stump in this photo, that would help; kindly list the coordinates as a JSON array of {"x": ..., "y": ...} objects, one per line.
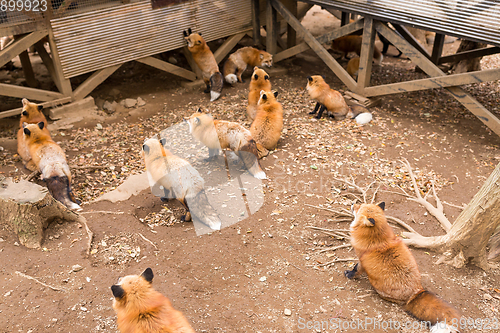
[{"x": 28, "y": 209}]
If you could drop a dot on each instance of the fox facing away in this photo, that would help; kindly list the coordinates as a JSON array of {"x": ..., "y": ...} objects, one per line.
[
  {"x": 268, "y": 123},
  {"x": 220, "y": 134},
  {"x": 141, "y": 309},
  {"x": 180, "y": 181},
  {"x": 205, "y": 60},
  {"x": 392, "y": 269},
  {"x": 237, "y": 62},
  {"x": 50, "y": 160},
  {"x": 260, "y": 81}
]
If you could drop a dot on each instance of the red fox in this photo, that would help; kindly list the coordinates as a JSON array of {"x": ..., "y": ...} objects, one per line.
[
  {"x": 180, "y": 181},
  {"x": 205, "y": 60},
  {"x": 49, "y": 158},
  {"x": 260, "y": 81},
  {"x": 353, "y": 67},
  {"x": 352, "y": 43},
  {"x": 268, "y": 124},
  {"x": 31, "y": 114},
  {"x": 331, "y": 100},
  {"x": 392, "y": 269},
  {"x": 217, "y": 134},
  {"x": 239, "y": 60},
  {"x": 141, "y": 309}
]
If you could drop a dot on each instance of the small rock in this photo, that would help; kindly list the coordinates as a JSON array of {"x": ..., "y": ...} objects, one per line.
[
  {"x": 84, "y": 309},
  {"x": 76, "y": 268},
  {"x": 98, "y": 126},
  {"x": 16, "y": 244},
  {"x": 140, "y": 102},
  {"x": 1, "y": 148},
  {"x": 172, "y": 60},
  {"x": 109, "y": 108},
  {"x": 8, "y": 293},
  {"x": 130, "y": 102},
  {"x": 263, "y": 279},
  {"x": 288, "y": 312},
  {"x": 88, "y": 279},
  {"x": 487, "y": 297}
]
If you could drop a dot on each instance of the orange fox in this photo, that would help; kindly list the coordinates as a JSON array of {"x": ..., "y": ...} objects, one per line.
[
  {"x": 353, "y": 67},
  {"x": 31, "y": 114},
  {"x": 180, "y": 181},
  {"x": 205, "y": 60},
  {"x": 49, "y": 158},
  {"x": 333, "y": 101},
  {"x": 352, "y": 43},
  {"x": 220, "y": 134},
  {"x": 268, "y": 124},
  {"x": 392, "y": 269},
  {"x": 239, "y": 60},
  {"x": 141, "y": 309},
  {"x": 260, "y": 81}
]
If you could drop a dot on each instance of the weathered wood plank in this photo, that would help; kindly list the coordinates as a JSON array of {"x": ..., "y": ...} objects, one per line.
[
  {"x": 168, "y": 67},
  {"x": 29, "y": 74},
  {"x": 30, "y": 93},
  {"x": 434, "y": 82},
  {"x": 63, "y": 83},
  {"x": 15, "y": 112},
  {"x": 93, "y": 81},
  {"x": 227, "y": 46},
  {"x": 470, "y": 54},
  {"x": 315, "y": 45},
  {"x": 256, "y": 21},
  {"x": 410, "y": 39},
  {"x": 47, "y": 61},
  {"x": 437, "y": 48},
  {"x": 272, "y": 27},
  {"x": 291, "y": 5},
  {"x": 20, "y": 45},
  {"x": 366, "y": 57}
]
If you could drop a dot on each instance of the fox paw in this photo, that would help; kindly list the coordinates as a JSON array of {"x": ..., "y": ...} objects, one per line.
[
  {"x": 206, "y": 91},
  {"x": 313, "y": 112},
  {"x": 164, "y": 199},
  {"x": 350, "y": 274}
]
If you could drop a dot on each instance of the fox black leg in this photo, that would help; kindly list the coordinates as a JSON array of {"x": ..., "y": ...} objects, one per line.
[
  {"x": 350, "y": 274},
  {"x": 212, "y": 153},
  {"x": 321, "y": 110},
  {"x": 206, "y": 91},
  {"x": 315, "y": 108},
  {"x": 166, "y": 195}
]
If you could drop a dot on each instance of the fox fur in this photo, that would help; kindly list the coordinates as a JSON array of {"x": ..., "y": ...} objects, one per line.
[
  {"x": 353, "y": 67},
  {"x": 352, "y": 43},
  {"x": 392, "y": 269},
  {"x": 205, "y": 60},
  {"x": 237, "y": 62},
  {"x": 141, "y": 309},
  {"x": 220, "y": 134},
  {"x": 31, "y": 114},
  {"x": 50, "y": 160},
  {"x": 333, "y": 101},
  {"x": 260, "y": 81},
  {"x": 268, "y": 123},
  {"x": 180, "y": 181}
]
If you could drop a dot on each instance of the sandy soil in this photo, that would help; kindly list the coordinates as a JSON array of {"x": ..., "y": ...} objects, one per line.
[{"x": 267, "y": 273}]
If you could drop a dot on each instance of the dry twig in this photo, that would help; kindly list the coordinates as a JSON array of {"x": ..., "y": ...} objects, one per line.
[
  {"x": 38, "y": 281},
  {"x": 334, "y": 248},
  {"x": 147, "y": 240},
  {"x": 332, "y": 262},
  {"x": 33, "y": 175}
]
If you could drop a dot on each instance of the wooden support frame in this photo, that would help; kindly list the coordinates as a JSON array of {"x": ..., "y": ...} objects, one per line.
[
  {"x": 227, "y": 46},
  {"x": 20, "y": 45},
  {"x": 35, "y": 94},
  {"x": 93, "y": 81},
  {"x": 470, "y": 54},
  {"x": 437, "y": 48},
  {"x": 62, "y": 83},
  {"x": 256, "y": 22},
  {"x": 272, "y": 27},
  {"x": 16, "y": 112},
  {"x": 366, "y": 57}
]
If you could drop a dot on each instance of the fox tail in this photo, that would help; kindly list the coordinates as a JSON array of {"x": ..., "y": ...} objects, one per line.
[
  {"x": 60, "y": 189},
  {"x": 202, "y": 210},
  {"x": 250, "y": 156},
  {"x": 216, "y": 83},
  {"x": 229, "y": 71},
  {"x": 439, "y": 314}
]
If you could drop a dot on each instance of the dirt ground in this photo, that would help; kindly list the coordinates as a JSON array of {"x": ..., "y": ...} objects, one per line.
[{"x": 267, "y": 273}]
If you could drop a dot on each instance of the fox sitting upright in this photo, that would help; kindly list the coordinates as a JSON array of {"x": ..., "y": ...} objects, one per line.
[
  {"x": 141, "y": 309},
  {"x": 237, "y": 62},
  {"x": 268, "y": 124},
  {"x": 180, "y": 181},
  {"x": 205, "y": 60},
  {"x": 50, "y": 160},
  {"x": 31, "y": 114},
  {"x": 260, "y": 81},
  {"x": 392, "y": 269},
  {"x": 221, "y": 134}
]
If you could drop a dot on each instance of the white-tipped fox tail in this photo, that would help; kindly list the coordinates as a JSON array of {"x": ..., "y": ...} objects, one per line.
[
  {"x": 214, "y": 95},
  {"x": 231, "y": 79},
  {"x": 364, "y": 118}
]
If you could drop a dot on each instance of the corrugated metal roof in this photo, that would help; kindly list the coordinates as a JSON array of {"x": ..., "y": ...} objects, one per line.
[
  {"x": 102, "y": 38},
  {"x": 473, "y": 19}
]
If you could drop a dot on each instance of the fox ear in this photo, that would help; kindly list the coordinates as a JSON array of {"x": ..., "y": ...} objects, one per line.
[
  {"x": 266, "y": 77},
  {"x": 275, "y": 94},
  {"x": 25, "y": 101},
  {"x": 382, "y": 205},
  {"x": 27, "y": 131},
  {"x": 41, "y": 125},
  {"x": 118, "y": 291},
  {"x": 163, "y": 142},
  {"x": 40, "y": 107},
  {"x": 185, "y": 33},
  {"x": 372, "y": 221},
  {"x": 145, "y": 148},
  {"x": 309, "y": 79},
  {"x": 190, "y": 31},
  {"x": 256, "y": 77},
  {"x": 367, "y": 222},
  {"x": 255, "y": 68},
  {"x": 199, "y": 33},
  {"x": 261, "y": 56},
  {"x": 264, "y": 97},
  {"x": 148, "y": 275},
  {"x": 199, "y": 110}
]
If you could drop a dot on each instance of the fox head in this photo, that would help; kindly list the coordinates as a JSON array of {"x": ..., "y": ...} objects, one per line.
[
  {"x": 153, "y": 148},
  {"x": 30, "y": 111},
  {"x": 259, "y": 75},
  {"x": 315, "y": 81},
  {"x": 33, "y": 131},
  {"x": 266, "y": 59},
  {"x": 131, "y": 288},
  {"x": 194, "y": 41},
  {"x": 199, "y": 121},
  {"x": 267, "y": 97}
]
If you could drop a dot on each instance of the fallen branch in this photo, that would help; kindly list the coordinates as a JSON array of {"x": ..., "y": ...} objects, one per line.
[
  {"x": 40, "y": 282},
  {"x": 90, "y": 234},
  {"x": 33, "y": 175},
  {"x": 334, "y": 248},
  {"x": 332, "y": 262},
  {"x": 147, "y": 240},
  {"x": 300, "y": 269},
  {"x": 401, "y": 223},
  {"x": 102, "y": 212}
]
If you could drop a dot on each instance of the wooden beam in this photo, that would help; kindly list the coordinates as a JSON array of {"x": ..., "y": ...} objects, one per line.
[
  {"x": 29, "y": 93},
  {"x": 29, "y": 75},
  {"x": 47, "y": 61},
  {"x": 366, "y": 57},
  {"x": 411, "y": 39},
  {"x": 93, "y": 81},
  {"x": 256, "y": 21},
  {"x": 16, "y": 112},
  {"x": 315, "y": 45},
  {"x": 434, "y": 82},
  {"x": 192, "y": 63},
  {"x": 272, "y": 27},
  {"x": 432, "y": 70},
  {"x": 470, "y": 54},
  {"x": 344, "y": 18},
  {"x": 21, "y": 45},
  {"x": 228, "y": 45},
  {"x": 339, "y": 32},
  {"x": 168, "y": 67},
  {"x": 63, "y": 83},
  {"x": 437, "y": 48},
  {"x": 291, "y": 5}
]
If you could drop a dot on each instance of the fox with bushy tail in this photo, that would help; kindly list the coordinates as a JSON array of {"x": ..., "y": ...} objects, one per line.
[
  {"x": 50, "y": 160},
  {"x": 237, "y": 63},
  {"x": 392, "y": 269},
  {"x": 179, "y": 181},
  {"x": 205, "y": 60}
]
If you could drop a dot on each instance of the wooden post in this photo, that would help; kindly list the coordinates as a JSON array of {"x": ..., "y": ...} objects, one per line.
[
  {"x": 64, "y": 83},
  {"x": 256, "y": 21},
  {"x": 437, "y": 48},
  {"x": 366, "y": 57},
  {"x": 291, "y": 5},
  {"x": 29, "y": 75},
  {"x": 272, "y": 28},
  {"x": 344, "y": 18}
]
